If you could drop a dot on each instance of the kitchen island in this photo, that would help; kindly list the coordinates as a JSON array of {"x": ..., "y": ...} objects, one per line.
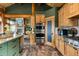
[{"x": 10, "y": 46}]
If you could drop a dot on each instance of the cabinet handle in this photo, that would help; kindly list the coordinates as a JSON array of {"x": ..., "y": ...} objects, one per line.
[
  {"x": 14, "y": 54},
  {"x": 14, "y": 46},
  {"x": 75, "y": 48},
  {"x": 0, "y": 46},
  {"x": 14, "y": 40}
]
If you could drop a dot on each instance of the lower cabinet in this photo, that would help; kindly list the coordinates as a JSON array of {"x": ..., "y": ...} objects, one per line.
[
  {"x": 13, "y": 47},
  {"x": 3, "y": 49},
  {"x": 67, "y": 50},
  {"x": 10, "y": 48},
  {"x": 78, "y": 51},
  {"x": 56, "y": 42},
  {"x": 61, "y": 46},
  {"x": 70, "y": 51}
]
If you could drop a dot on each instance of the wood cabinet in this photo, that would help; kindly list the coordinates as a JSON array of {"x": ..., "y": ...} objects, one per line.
[
  {"x": 68, "y": 11},
  {"x": 70, "y": 51},
  {"x": 61, "y": 46},
  {"x": 65, "y": 14},
  {"x": 40, "y": 18},
  {"x": 60, "y": 17},
  {"x": 78, "y": 52},
  {"x": 67, "y": 50},
  {"x": 56, "y": 41},
  {"x": 73, "y": 9}
]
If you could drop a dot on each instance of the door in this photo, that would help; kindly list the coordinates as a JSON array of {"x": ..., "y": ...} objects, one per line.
[{"x": 49, "y": 30}]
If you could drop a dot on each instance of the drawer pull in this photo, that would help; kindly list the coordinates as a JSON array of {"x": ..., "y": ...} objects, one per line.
[
  {"x": 14, "y": 46},
  {"x": 14, "y": 40},
  {"x": 75, "y": 48},
  {"x": 0, "y": 47},
  {"x": 14, "y": 54}
]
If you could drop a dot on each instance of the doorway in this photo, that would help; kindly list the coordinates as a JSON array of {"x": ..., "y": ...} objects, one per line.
[{"x": 50, "y": 30}]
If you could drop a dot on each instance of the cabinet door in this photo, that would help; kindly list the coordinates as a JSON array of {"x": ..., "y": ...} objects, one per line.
[
  {"x": 61, "y": 47},
  {"x": 43, "y": 18},
  {"x": 75, "y": 52},
  {"x": 78, "y": 52},
  {"x": 71, "y": 51},
  {"x": 60, "y": 17},
  {"x": 40, "y": 18},
  {"x": 56, "y": 42},
  {"x": 3, "y": 49},
  {"x": 13, "y": 47},
  {"x": 67, "y": 49}
]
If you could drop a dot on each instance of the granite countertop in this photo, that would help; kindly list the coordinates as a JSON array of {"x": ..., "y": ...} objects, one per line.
[{"x": 9, "y": 39}]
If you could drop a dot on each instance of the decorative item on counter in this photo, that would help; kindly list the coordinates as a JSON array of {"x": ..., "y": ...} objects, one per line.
[
  {"x": 73, "y": 31},
  {"x": 7, "y": 28},
  {"x": 59, "y": 31}
]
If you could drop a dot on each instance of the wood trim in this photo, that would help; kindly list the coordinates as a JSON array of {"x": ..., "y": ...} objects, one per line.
[
  {"x": 17, "y": 15},
  {"x": 33, "y": 8},
  {"x": 51, "y": 17}
]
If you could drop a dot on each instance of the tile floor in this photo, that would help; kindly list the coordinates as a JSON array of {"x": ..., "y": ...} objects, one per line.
[{"x": 37, "y": 50}]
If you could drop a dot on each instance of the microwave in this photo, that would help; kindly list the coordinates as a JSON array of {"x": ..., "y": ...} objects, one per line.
[{"x": 63, "y": 31}]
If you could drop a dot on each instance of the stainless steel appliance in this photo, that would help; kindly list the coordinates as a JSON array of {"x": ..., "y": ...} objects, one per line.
[
  {"x": 63, "y": 31},
  {"x": 40, "y": 33}
]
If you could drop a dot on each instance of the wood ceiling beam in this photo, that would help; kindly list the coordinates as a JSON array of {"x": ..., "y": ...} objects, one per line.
[{"x": 17, "y": 15}]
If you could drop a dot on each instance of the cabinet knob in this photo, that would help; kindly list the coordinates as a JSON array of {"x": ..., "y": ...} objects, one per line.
[{"x": 0, "y": 46}]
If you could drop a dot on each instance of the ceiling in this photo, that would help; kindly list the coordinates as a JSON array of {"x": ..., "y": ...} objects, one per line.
[
  {"x": 4, "y": 5},
  {"x": 55, "y": 4}
]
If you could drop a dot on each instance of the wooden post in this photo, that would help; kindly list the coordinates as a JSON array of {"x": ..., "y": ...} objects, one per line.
[{"x": 32, "y": 35}]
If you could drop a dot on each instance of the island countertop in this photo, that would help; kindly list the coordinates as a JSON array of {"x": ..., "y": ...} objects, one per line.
[{"x": 9, "y": 39}]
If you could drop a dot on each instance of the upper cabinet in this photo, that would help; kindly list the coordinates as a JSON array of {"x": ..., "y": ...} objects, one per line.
[
  {"x": 73, "y": 9},
  {"x": 40, "y": 18},
  {"x": 68, "y": 11}
]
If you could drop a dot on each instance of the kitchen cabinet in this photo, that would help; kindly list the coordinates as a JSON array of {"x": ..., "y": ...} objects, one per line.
[
  {"x": 3, "y": 49},
  {"x": 66, "y": 12},
  {"x": 40, "y": 18},
  {"x": 69, "y": 50},
  {"x": 13, "y": 47},
  {"x": 61, "y": 46},
  {"x": 56, "y": 41},
  {"x": 10, "y": 48},
  {"x": 73, "y": 9},
  {"x": 78, "y": 52}
]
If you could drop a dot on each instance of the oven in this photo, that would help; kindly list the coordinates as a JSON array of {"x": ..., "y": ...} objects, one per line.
[{"x": 40, "y": 33}]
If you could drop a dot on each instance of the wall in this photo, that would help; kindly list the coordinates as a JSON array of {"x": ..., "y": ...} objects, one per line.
[
  {"x": 24, "y": 8},
  {"x": 53, "y": 12},
  {"x": 19, "y": 9}
]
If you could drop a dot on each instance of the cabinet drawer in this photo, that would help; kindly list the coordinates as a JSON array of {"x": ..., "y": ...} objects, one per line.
[
  {"x": 14, "y": 50},
  {"x": 13, "y": 43}
]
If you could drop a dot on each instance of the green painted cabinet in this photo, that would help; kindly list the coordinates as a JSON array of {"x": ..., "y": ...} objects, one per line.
[
  {"x": 3, "y": 49},
  {"x": 10, "y": 48}
]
